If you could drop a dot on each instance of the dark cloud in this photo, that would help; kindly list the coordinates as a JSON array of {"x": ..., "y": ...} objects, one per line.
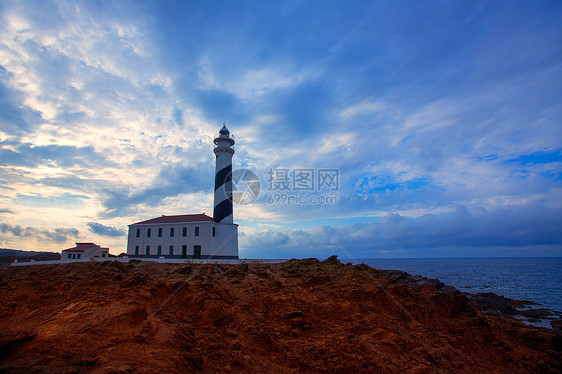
[
  {"x": 177, "y": 116},
  {"x": 70, "y": 117},
  {"x": 304, "y": 109},
  {"x": 270, "y": 238},
  {"x": 532, "y": 225},
  {"x": 98, "y": 228},
  {"x": 59, "y": 235},
  {"x": 74, "y": 182},
  {"x": 65, "y": 199},
  {"x": 26, "y": 154},
  {"x": 6, "y": 211},
  {"x": 171, "y": 181},
  {"x": 223, "y": 104},
  {"x": 15, "y": 119}
]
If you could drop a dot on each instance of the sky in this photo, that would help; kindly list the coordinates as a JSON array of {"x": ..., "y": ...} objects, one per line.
[{"x": 375, "y": 128}]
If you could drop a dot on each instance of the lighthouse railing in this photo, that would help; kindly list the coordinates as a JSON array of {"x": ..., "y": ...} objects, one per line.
[{"x": 218, "y": 135}]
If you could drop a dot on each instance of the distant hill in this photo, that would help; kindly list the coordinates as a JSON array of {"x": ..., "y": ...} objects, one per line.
[{"x": 8, "y": 256}]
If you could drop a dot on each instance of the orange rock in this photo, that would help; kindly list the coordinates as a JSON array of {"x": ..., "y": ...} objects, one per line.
[{"x": 303, "y": 315}]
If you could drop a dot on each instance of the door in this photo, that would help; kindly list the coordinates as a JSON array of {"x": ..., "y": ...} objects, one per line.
[
  {"x": 196, "y": 251},
  {"x": 183, "y": 251}
]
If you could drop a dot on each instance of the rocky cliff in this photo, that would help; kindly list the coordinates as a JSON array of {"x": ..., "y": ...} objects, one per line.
[{"x": 299, "y": 316}]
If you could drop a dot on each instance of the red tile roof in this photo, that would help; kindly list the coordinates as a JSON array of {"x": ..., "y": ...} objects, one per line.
[
  {"x": 80, "y": 247},
  {"x": 178, "y": 219}
]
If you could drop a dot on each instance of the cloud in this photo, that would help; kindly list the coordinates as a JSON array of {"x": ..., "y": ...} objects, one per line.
[
  {"x": 66, "y": 199},
  {"x": 14, "y": 118},
  {"x": 99, "y": 106},
  {"x": 171, "y": 181},
  {"x": 98, "y": 228},
  {"x": 58, "y": 235},
  {"x": 25, "y": 154},
  {"x": 6, "y": 211},
  {"x": 508, "y": 227},
  {"x": 269, "y": 238}
]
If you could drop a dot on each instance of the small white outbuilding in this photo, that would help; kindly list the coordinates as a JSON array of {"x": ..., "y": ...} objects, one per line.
[{"x": 84, "y": 251}]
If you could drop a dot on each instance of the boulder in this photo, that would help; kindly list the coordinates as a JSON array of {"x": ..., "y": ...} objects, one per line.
[{"x": 487, "y": 301}]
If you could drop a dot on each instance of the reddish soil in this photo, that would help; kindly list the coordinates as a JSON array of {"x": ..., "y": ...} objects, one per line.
[{"x": 300, "y": 316}]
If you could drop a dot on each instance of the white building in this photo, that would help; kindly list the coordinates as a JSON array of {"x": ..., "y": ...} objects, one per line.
[
  {"x": 84, "y": 251},
  {"x": 194, "y": 235},
  {"x": 184, "y": 236}
]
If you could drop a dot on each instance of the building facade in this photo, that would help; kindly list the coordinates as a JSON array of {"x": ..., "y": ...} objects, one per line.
[
  {"x": 189, "y": 236},
  {"x": 84, "y": 251}
]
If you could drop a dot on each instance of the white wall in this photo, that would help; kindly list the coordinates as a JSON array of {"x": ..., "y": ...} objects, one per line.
[
  {"x": 85, "y": 254},
  {"x": 226, "y": 240},
  {"x": 205, "y": 238}
]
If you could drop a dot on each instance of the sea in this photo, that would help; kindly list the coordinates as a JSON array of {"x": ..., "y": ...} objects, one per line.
[{"x": 534, "y": 279}]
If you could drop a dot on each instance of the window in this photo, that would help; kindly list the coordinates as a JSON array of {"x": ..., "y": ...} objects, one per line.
[
  {"x": 196, "y": 230},
  {"x": 171, "y": 250},
  {"x": 103, "y": 255},
  {"x": 213, "y": 231},
  {"x": 138, "y": 233},
  {"x": 136, "y": 250},
  {"x": 78, "y": 255},
  {"x": 159, "y": 250},
  {"x": 147, "y": 249},
  {"x": 70, "y": 255},
  {"x": 184, "y": 231},
  {"x": 148, "y": 233},
  {"x": 171, "y": 232},
  {"x": 160, "y": 232},
  {"x": 74, "y": 256}
]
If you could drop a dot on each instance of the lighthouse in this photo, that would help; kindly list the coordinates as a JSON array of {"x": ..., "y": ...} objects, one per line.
[
  {"x": 194, "y": 236},
  {"x": 222, "y": 212}
]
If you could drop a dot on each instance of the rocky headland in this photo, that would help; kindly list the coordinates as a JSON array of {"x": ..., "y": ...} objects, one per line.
[
  {"x": 489, "y": 303},
  {"x": 299, "y": 316}
]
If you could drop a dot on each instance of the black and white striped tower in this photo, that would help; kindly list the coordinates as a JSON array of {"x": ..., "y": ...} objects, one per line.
[{"x": 223, "y": 177}]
